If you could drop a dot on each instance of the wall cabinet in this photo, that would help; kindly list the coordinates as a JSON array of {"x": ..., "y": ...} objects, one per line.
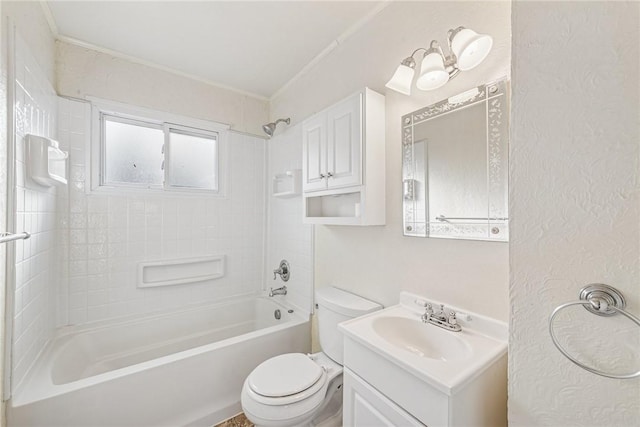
[{"x": 344, "y": 162}]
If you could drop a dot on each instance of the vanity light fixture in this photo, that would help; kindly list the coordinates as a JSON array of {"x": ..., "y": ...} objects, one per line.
[{"x": 468, "y": 49}]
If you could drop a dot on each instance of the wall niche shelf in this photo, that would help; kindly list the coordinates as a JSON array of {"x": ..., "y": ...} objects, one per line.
[
  {"x": 170, "y": 272},
  {"x": 288, "y": 184}
]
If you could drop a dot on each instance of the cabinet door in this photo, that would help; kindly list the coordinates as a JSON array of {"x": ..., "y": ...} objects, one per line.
[
  {"x": 344, "y": 143},
  {"x": 314, "y": 153},
  {"x": 364, "y": 406}
]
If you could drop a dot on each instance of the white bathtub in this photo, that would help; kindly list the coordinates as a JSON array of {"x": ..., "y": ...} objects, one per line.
[{"x": 178, "y": 369}]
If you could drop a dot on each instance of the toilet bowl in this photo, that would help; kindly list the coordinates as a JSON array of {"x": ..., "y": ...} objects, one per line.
[
  {"x": 297, "y": 389},
  {"x": 291, "y": 390}
]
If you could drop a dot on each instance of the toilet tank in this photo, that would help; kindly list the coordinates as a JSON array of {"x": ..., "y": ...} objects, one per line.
[{"x": 335, "y": 306}]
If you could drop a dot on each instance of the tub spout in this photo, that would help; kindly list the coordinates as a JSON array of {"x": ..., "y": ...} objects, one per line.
[{"x": 279, "y": 291}]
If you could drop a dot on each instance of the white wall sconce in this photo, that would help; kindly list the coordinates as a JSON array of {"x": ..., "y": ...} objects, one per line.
[{"x": 467, "y": 50}]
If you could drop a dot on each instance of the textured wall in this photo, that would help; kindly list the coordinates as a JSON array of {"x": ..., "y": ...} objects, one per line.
[
  {"x": 574, "y": 204},
  {"x": 379, "y": 262},
  {"x": 82, "y": 72}
]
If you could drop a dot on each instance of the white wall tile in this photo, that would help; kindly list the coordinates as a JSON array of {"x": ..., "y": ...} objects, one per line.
[
  {"x": 287, "y": 237},
  {"x": 80, "y": 265},
  {"x": 111, "y": 234},
  {"x": 37, "y": 259}
]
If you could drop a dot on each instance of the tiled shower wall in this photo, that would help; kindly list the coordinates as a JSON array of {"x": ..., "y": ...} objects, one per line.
[
  {"x": 108, "y": 235},
  {"x": 80, "y": 265},
  {"x": 37, "y": 258},
  {"x": 288, "y": 238}
]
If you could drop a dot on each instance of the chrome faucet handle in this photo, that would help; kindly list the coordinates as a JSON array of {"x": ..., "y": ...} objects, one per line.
[
  {"x": 452, "y": 318},
  {"x": 283, "y": 270},
  {"x": 428, "y": 312},
  {"x": 428, "y": 309}
]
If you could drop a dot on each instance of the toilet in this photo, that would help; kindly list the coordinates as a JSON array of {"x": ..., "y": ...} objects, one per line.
[{"x": 297, "y": 389}]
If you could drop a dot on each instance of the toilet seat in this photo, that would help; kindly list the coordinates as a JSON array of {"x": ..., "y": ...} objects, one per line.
[
  {"x": 292, "y": 409},
  {"x": 286, "y": 379},
  {"x": 284, "y": 375}
]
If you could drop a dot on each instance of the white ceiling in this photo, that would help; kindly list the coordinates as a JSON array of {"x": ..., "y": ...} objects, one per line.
[{"x": 253, "y": 46}]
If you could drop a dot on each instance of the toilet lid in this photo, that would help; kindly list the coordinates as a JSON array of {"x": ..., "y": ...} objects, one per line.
[{"x": 284, "y": 375}]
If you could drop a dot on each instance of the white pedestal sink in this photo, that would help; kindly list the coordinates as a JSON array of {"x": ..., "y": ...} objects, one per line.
[{"x": 424, "y": 373}]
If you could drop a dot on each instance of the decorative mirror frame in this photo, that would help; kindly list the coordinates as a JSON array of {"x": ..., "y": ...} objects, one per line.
[{"x": 495, "y": 227}]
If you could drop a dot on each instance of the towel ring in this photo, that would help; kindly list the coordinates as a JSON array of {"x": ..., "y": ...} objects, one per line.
[{"x": 602, "y": 300}]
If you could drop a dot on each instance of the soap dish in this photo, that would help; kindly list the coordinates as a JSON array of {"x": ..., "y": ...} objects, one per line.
[{"x": 46, "y": 163}]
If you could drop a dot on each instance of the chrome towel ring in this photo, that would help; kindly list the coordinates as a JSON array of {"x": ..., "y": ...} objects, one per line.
[{"x": 603, "y": 300}]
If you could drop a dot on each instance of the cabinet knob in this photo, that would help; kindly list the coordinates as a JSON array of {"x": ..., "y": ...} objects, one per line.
[
  {"x": 329, "y": 175},
  {"x": 322, "y": 176}
]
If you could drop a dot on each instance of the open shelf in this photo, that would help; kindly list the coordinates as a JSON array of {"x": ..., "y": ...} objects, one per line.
[{"x": 340, "y": 207}]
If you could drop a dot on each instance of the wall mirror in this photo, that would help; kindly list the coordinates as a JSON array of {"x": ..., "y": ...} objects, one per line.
[{"x": 455, "y": 156}]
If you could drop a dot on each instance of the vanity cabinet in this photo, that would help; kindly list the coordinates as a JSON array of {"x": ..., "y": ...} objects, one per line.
[
  {"x": 376, "y": 389},
  {"x": 366, "y": 406},
  {"x": 402, "y": 371},
  {"x": 344, "y": 162}
]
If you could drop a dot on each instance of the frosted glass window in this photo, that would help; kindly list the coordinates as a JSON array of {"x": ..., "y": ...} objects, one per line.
[
  {"x": 135, "y": 150},
  {"x": 193, "y": 160},
  {"x": 133, "y": 153}
]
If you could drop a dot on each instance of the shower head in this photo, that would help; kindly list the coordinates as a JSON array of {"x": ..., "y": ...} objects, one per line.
[{"x": 269, "y": 128}]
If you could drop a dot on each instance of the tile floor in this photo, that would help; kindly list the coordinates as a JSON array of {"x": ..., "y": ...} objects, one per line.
[{"x": 237, "y": 421}]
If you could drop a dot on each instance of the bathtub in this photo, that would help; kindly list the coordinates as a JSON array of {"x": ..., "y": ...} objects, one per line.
[{"x": 185, "y": 368}]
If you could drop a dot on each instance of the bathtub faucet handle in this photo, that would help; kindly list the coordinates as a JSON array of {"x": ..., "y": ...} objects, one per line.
[{"x": 284, "y": 271}]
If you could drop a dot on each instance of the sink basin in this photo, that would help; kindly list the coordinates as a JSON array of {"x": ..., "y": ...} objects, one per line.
[
  {"x": 421, "y": 339},
  {"x": 397, "y": 364},
  {"x": 444, "y": 359}
]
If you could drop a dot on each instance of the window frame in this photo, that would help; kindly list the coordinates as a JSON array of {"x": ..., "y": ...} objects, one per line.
[{"x": 95, "y": 153}]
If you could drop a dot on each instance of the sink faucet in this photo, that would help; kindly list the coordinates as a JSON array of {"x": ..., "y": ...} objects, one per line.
[
  {"x": 441, "y": 316},
  {"x": 441, "y": 319},
  {"x": 279, "y": 291}
]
